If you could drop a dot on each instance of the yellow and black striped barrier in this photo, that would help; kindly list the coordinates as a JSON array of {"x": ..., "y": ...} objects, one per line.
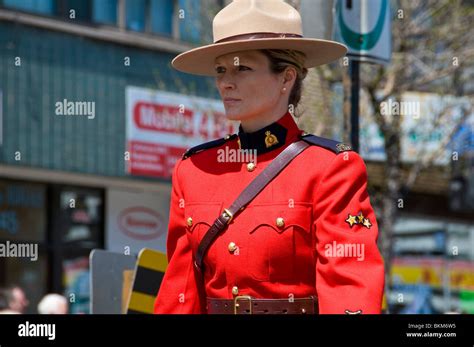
[{"x": 149, "y": 272}]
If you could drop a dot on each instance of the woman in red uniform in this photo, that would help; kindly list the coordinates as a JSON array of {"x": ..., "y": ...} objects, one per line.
[{"x": 304, "y": 242}]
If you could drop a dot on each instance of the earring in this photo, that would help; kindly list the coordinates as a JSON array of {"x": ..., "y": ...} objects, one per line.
[{"x": 284, "y": 89}]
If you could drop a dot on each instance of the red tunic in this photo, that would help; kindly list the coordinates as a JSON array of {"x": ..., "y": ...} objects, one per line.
[{"x": 311, "y": 231}]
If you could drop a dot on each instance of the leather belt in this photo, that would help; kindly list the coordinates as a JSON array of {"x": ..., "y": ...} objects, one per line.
[{"x": 245, "y": 304}]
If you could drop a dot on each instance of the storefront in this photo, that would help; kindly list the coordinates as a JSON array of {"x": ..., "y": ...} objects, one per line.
[
  {"x": 63, "y": 223},
  {"x": 432, "y": 269}
]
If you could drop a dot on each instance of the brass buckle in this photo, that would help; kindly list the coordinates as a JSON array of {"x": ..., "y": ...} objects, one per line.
[
  {"x": 240, "y": 297},
  {"x": 229, "y": 214}
]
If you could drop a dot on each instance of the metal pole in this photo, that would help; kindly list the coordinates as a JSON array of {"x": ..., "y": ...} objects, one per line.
[{"x": 355, "y": 83}]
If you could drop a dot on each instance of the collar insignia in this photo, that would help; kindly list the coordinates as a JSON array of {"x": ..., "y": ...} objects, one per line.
[{"x": 270, "y": 139}]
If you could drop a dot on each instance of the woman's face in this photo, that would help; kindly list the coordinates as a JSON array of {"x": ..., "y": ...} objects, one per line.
[{"x": 247, "y": 86}]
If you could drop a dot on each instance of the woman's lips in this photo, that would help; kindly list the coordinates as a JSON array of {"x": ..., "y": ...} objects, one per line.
[{"x": 231, "y": 101}]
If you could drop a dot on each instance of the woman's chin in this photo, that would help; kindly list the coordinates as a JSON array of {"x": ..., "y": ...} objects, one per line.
[{"x": 233, "y": 115}]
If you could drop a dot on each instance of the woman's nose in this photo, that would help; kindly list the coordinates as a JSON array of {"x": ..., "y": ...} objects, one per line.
[{"x": 226, "y": 82}]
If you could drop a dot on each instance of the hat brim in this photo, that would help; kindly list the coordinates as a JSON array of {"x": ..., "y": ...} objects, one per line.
[{"x": 201, "y": 60}]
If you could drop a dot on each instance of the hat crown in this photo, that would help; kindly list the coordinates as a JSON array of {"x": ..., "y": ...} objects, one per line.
[{"x": 256, "y": 16}]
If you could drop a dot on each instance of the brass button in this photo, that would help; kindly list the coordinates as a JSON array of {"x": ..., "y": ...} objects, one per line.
[
  {"x": 189, "y": 221},
  {"x": 235, "y": 290},
  {"x": 232, "y": 247},
  {"x": 280, "y": 222},
  {"x": 251, "y": 166}
]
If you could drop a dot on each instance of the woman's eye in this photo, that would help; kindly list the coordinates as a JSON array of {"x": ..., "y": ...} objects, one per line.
[
  {"x": 243, "y": 68},
  {"x": 221, "y": 69}
]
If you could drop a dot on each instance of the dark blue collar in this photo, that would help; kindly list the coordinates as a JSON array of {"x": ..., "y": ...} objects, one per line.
[{"x": 271, "y": 137}]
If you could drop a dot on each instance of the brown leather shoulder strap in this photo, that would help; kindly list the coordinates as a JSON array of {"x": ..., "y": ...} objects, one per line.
[{"x": 247, "y": 195}]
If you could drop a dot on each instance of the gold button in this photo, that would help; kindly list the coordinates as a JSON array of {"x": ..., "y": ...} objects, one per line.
[
  {"x": 189, "y": 221},
  {"x": 250, "y": 167},
  {"x": 235, "y": 290},
  {"x": 232, "y": 247},
  {"x": 280, "y": 222}
]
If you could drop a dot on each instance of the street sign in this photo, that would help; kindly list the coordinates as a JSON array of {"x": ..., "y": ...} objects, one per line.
[
  {"x": 110, "y": 279},
  {"x": 364, "y": 26}
]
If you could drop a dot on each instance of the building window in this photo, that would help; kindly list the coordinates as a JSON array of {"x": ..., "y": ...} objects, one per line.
[
  {"x": 190, "y": 26},
  {"x": 78, "y": 229},
  {"x": 23, "y": 221},
  {"x": 75, "y": 10},
  {"x": 154, "y": 16},
  {"x": 46, "y": 7},
  {"x": 162, "y": 17},
  {"x": 135, "y": 15},
  {"x": 104, "y": 11}
]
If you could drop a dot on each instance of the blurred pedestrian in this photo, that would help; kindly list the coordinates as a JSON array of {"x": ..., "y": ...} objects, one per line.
[
  {"x": 53, "y": 304},
  {"x": 17, "y": 299},
  {"x": 5, "y": 295}
]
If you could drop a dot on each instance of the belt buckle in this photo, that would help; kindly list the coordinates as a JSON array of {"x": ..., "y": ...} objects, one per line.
[
  {"x": 228, "y": 214},
  {"x": 242, "y": 297}
]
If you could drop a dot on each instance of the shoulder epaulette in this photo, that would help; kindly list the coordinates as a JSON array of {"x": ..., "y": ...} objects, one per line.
[
  {"x": 207, "y": 145},
  {"x": 334, "y": 146}
]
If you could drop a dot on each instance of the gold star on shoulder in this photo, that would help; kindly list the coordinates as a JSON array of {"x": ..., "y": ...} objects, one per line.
[
  {"x": 351, "y": 220},
  {"x": 358, "y": 219},
  {"x": 367, "y": 223}
]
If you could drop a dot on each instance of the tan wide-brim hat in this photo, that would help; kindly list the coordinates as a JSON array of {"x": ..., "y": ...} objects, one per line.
[{"x": 257, "y": 24}]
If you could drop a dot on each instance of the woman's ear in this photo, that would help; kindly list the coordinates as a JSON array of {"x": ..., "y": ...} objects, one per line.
[{"x": 289, "y": 76}]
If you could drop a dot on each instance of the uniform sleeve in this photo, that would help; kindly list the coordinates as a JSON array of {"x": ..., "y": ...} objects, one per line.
[
  {"x": 349, "y": 267},
  {"x": 179, "y": 292}
]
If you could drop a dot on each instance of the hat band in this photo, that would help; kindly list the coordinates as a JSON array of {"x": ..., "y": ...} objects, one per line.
[{"x": 254, "y": 36}]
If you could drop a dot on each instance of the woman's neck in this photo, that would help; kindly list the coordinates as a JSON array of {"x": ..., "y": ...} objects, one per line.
[{"x": 261, "y": 121}]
